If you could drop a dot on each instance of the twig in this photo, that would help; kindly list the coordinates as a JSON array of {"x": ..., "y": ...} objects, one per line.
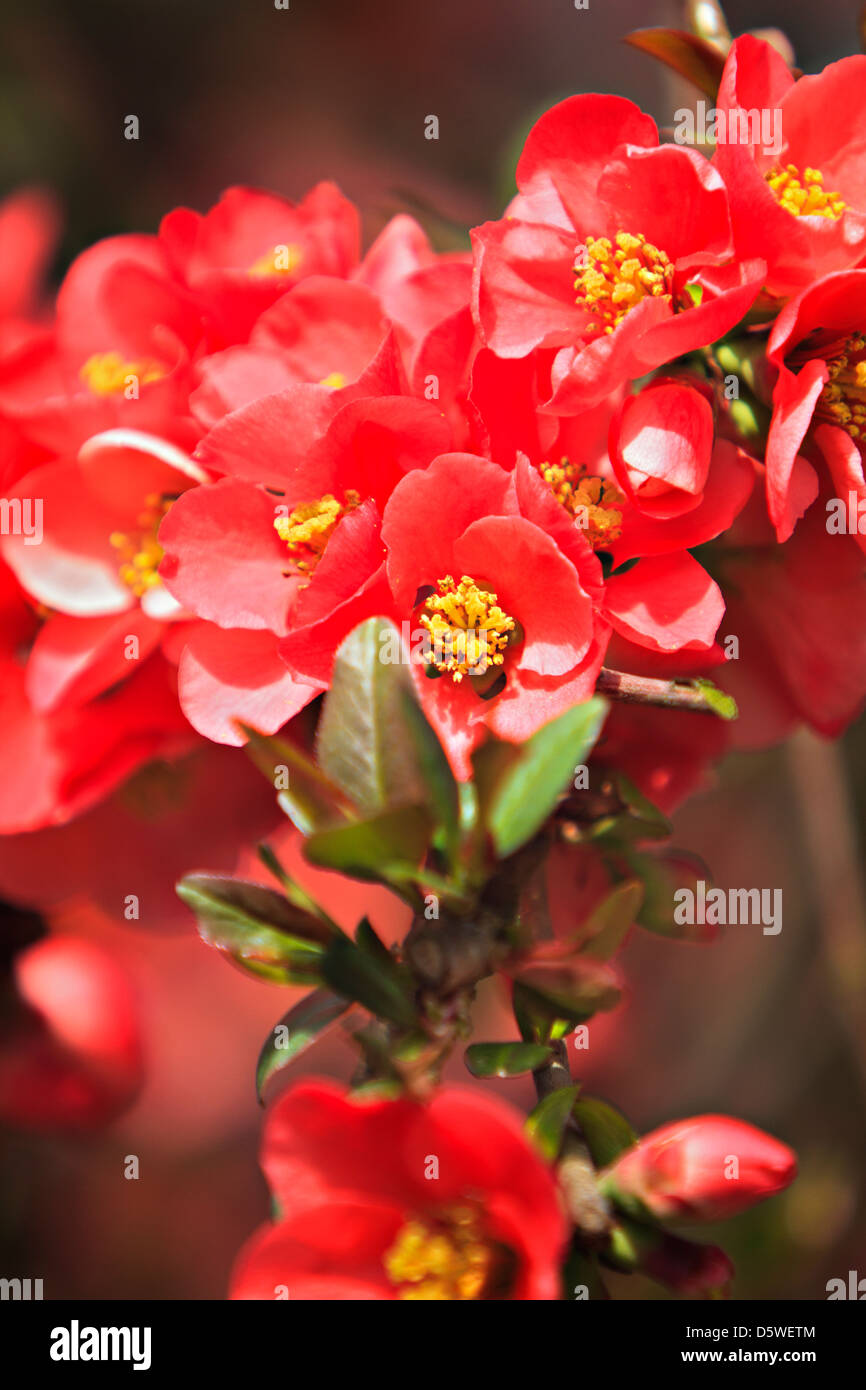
[
  {"x": 646, "y": 690},
  {"x": 587, "y": 1208}
]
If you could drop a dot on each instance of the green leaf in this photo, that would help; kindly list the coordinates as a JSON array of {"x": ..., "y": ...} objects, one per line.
[
  {"x": 257, "y": 927},
  {"x": 505, "y": 1059},
  {"x": 570, "y": 991},
  {"x": 722, "y": 704},
  {"x": 383, "y": 987},
  {"x": 440, "y": 785},
  {"x": 661, "y": 875},
  {"x": 605, "y": 930},
  {"x": 296, "y": 1031},
  {"x": 606, "y": 1131},
  {"x": 653, "y": 824},
  {"x": 368, "y": 849},
  {"x": 693, "y": 58},
  {"x": 364, "y": 742},
  {"x": 311, "y": 800},
  {"x": 369, "y": 940},
  {"x": 529, "y": 788},
  {"x": 546, "y": 1124}
]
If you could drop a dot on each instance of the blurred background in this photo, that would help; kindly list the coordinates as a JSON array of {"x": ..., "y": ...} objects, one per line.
[{"x": 770, "y": 1028}]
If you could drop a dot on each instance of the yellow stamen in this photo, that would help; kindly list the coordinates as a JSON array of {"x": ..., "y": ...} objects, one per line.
[
  {"x": 140, "y": 553},
  {"x": 448, "y": 1260},
  {"x": 803, "y": 195},
  {"x": 592, "y": 501},
  {"x": 335, "y": 379},
  {"x": 308, "y": 528},
  {"x": 279, "y": 260},
  {"x": 469, "y": 630},
  {"x": 612, "y": 277},
  {"x": 107, "y": 374},
  {"x": 843, "y": 400}
]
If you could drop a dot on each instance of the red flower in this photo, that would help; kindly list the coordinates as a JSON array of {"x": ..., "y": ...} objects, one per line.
[
  {"x": 391, "y": 1199},
  {"x": 119, "y": 354},
  {"x": 595, "y": 255},
  {"x": 818, "y": 343},
  {"x": 704, "y": 1169},
  {"x": 74, "y": 1058},
  {"x": 298, "y": 550},
  {"x": 251, "y": 247},
  {"x": 800, "y": 202}
]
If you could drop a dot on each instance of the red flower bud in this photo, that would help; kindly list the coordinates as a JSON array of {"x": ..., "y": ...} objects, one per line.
[{"x": 703, "y": 1169}]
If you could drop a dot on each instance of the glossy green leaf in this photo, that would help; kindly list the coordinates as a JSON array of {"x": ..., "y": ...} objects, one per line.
[
  {"x": 505, "y": 1059},
  {"x": 606, "y": 1131},
  {"x": 257, "y": 927},
  {"x": 296, "y": 1031},
  {"x": 311, "y": 800},
  {"x": 439, "y": 783},
  {"x": 383, "y": 987},
  {"x": 546, "y": 1124},
  {"x": 571, "y": 990},
  {"x": 529, "y": 788},
  {"x": 364, "y": 743},
  {"x": 367, "y": 849},
  {"x": 605, "y": 930},
  {"x": 661, "y": 875}
]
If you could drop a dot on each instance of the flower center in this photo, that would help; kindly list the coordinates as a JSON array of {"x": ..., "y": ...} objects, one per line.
[
  {"x": 139, "y": 553},
  {"x": 279, "y": 260},
  {"x": 469, "y": 631},
  {"x": 803, "y": 195},
  {"x": 612, "y": 277},
  {"x": 446, "y": 1259},
  {"x": 592, "y": 501},
  {"x": 107, "y": 374},
  {"x": 308, "y": 528},
  {"x": 843, "y": 399}
]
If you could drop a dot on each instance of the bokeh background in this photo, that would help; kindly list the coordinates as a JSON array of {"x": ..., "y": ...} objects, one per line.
[{"x": 769, "y": 1028}]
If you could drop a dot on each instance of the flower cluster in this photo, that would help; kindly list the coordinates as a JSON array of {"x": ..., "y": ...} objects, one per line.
[
  {"x": 242, "y": 438},
  {"x": 614, "y": 446}
]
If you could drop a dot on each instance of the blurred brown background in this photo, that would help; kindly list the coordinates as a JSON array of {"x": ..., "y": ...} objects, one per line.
[{"x": 770, "y": 1028}]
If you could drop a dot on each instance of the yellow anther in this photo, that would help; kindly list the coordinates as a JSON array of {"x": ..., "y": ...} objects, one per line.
[
  {"x": 107, "y": 374},
  {"x": 804, "y": 195},
  {"x": 308, "y": 528},
  {"x": 140, "y": 553},
  {"x": 592, "y": 501},
  {"x": 468, "y": 630},
  {"x": 447, "y": 1260},
  {"x": 843, "y": 400},
  {"x": 612, "y": 277},
  {"x": 279, "y": 260},
  {"x": 334, "y": 379}
]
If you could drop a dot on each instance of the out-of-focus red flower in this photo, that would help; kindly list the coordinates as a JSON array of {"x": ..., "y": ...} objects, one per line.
[
  {"x": 72, "y": 1058},
  {"x": 703, "y": 1169},
  {"x": 798, "y": 202},
  {"x": 799, "y": 613},
  {"x": 819, "y": 400},
  {"x": 392, "y": 1199},
  {"x": 614, "y": 252},
  {"x": 118, "y": 355},
  {"x": 251, "y": 247}
]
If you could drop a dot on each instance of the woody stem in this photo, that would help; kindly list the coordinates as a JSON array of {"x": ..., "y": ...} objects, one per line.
[{"x": 646, "y": 690}]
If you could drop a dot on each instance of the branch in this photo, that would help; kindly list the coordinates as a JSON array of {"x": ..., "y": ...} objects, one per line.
[
  {"x": 645, "y": 690},
  {"x": 586, "y": 1206}
]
